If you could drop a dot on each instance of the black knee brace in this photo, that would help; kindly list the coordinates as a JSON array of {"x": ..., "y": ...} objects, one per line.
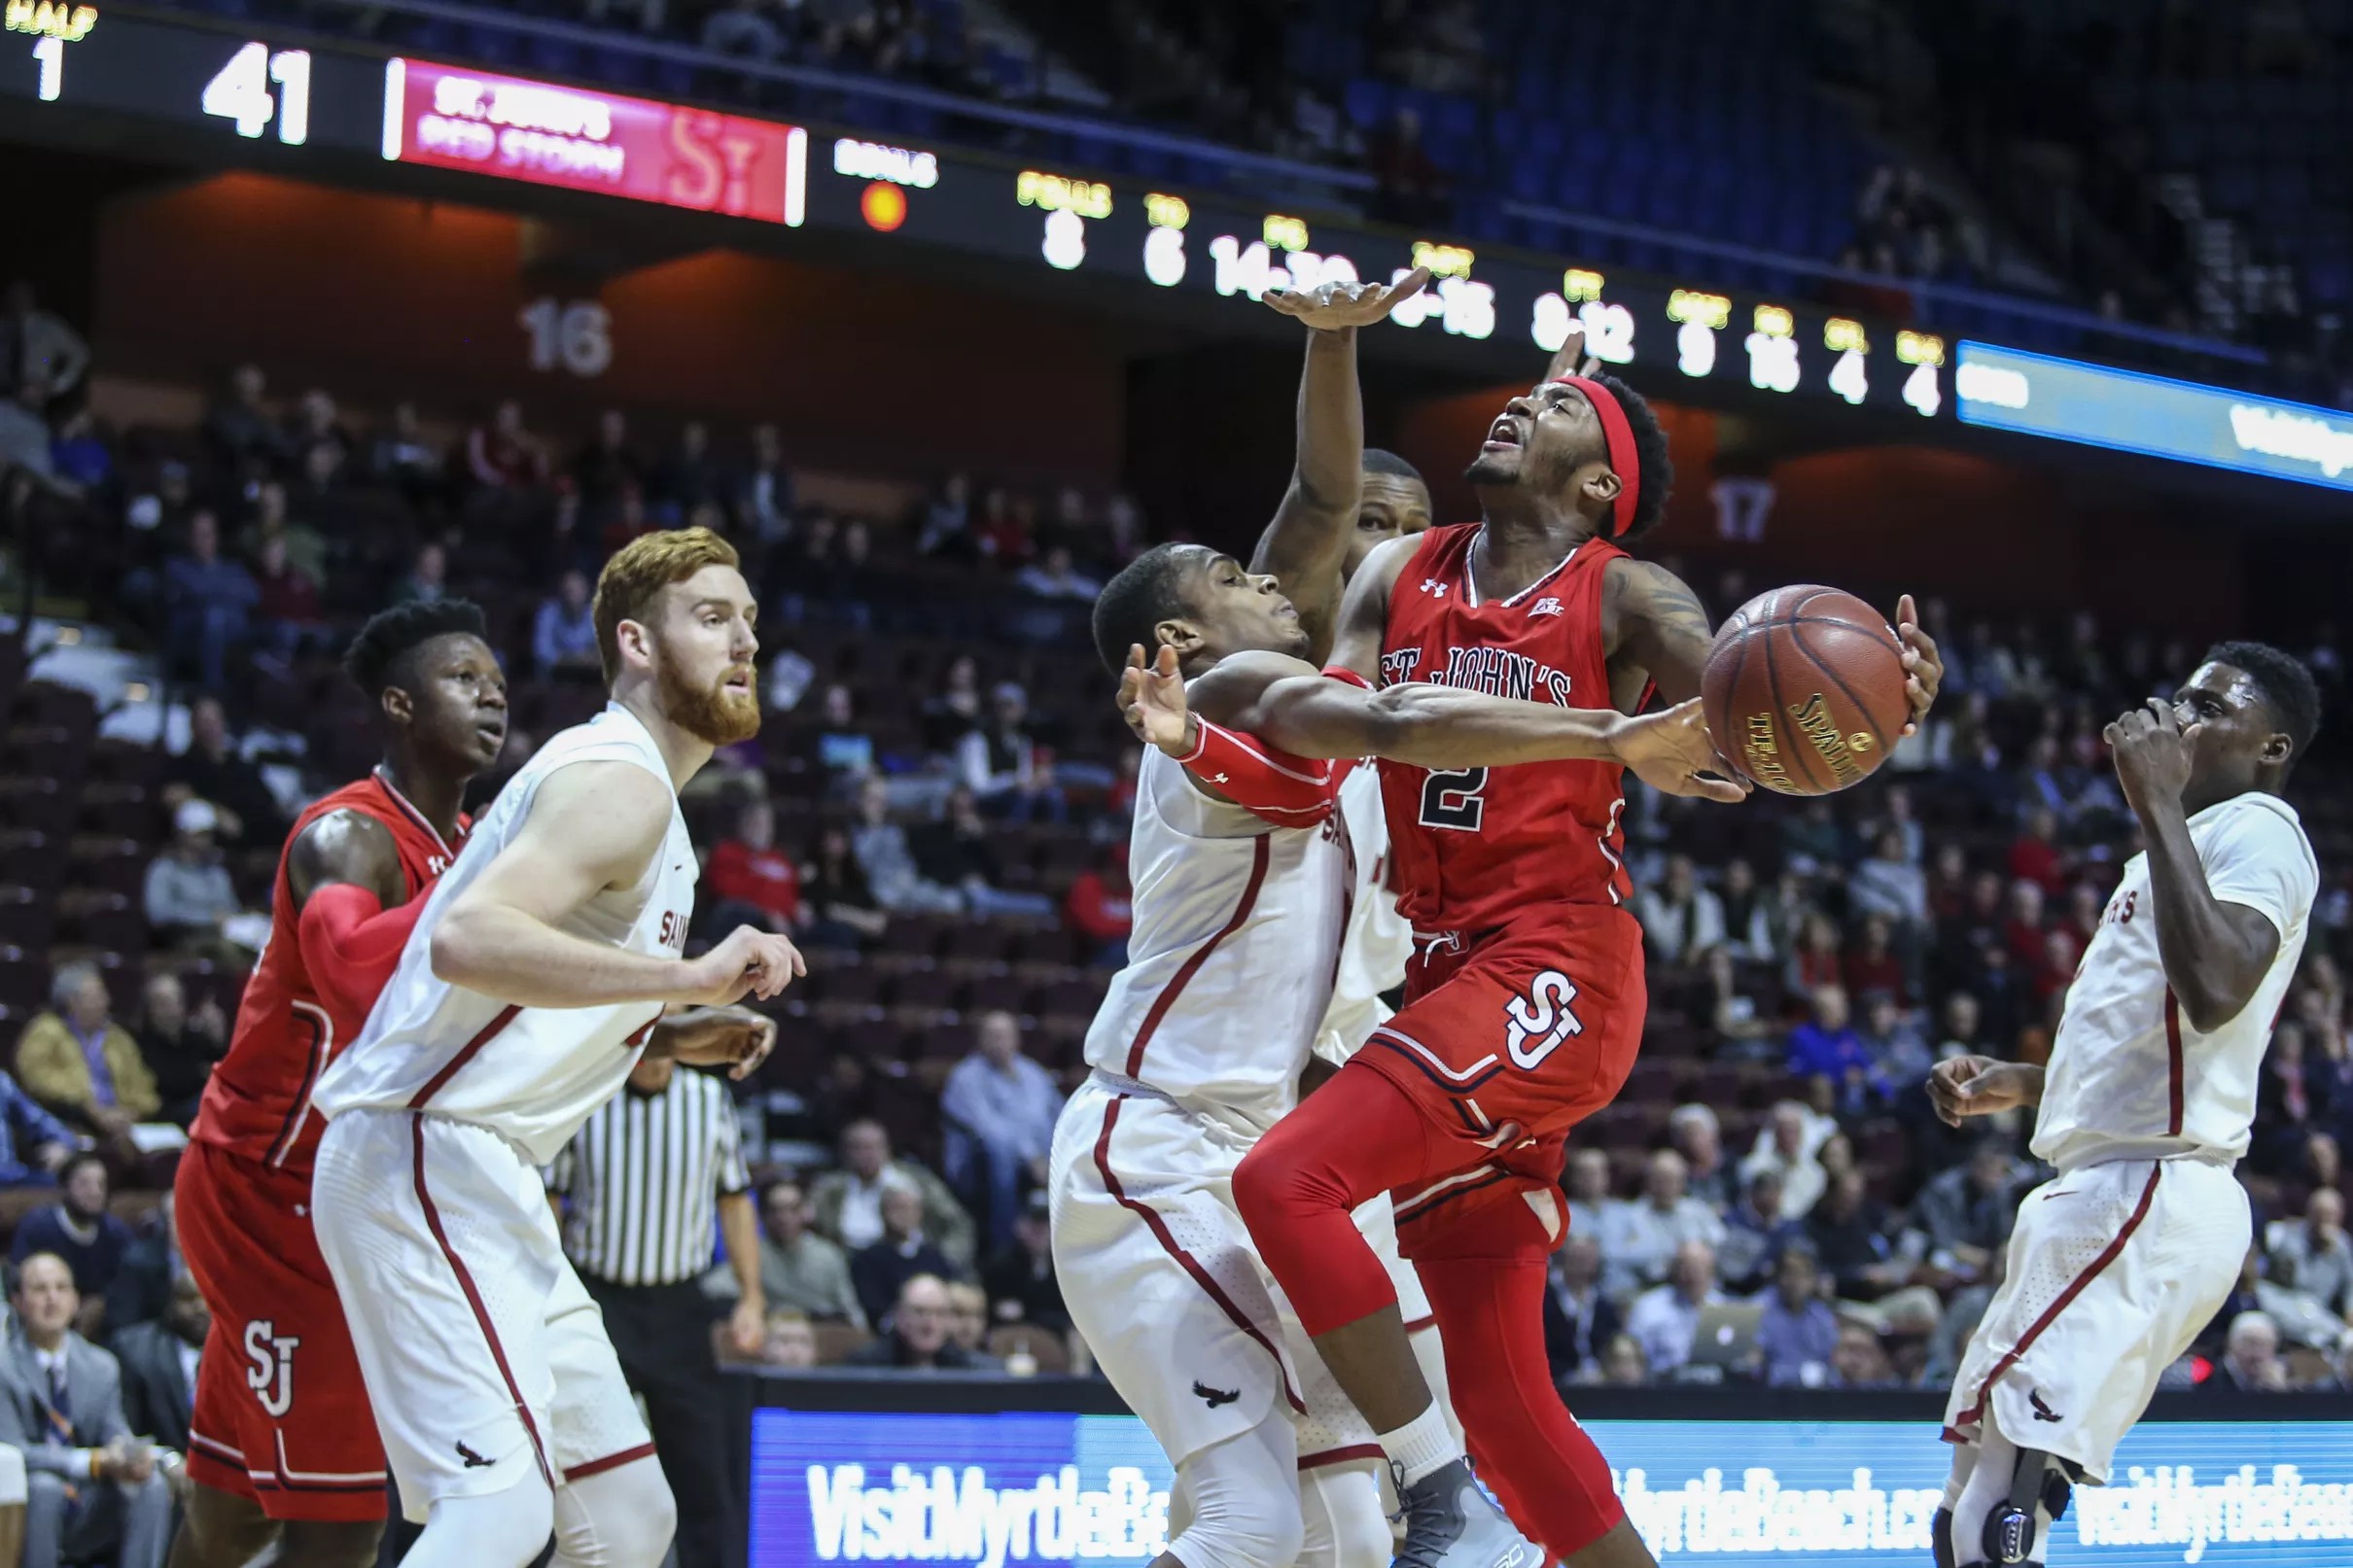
[
  {"x": 2038, "y": 1499},
  {"x": 1940, "y": 1538}
]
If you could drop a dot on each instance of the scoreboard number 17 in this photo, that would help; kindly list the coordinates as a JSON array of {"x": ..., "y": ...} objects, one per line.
[{"x": 241, "y": 92}]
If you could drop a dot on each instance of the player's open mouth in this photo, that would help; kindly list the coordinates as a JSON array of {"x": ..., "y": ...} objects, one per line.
[
  {"x": 741, "y": 681},
  {"x": 1504, "y": 433}
]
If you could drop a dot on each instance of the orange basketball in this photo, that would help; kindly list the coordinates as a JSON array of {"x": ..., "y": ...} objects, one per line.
[{"x": 1804, "y": 690}]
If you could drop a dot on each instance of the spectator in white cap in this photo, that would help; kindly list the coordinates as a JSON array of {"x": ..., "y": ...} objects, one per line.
[{"x": 189, "y": 893}]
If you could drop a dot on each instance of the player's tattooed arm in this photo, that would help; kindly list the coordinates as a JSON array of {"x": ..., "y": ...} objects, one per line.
[
  {"x": 1306, "y": 545},
  {"x": 2215, "y": 953},
  {"x": 346, "y": 846},
  {"x": 1654, "y": 630}
]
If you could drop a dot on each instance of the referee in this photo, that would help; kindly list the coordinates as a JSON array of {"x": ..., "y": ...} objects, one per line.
[{"x": 644, "y": 1185}]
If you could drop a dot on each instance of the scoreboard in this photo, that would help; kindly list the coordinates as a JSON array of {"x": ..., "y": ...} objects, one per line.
[
  {"x": 221, "y": 95},
  {"x": 295, "y": 103}
]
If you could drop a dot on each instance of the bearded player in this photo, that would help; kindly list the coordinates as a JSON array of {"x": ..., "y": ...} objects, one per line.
[
  {"x": 2144, "y": 1108},
  {"x": 1525, "y": 999},
  {"x": 528, "y": 989},
  {"x": 277, "y": 1444}
]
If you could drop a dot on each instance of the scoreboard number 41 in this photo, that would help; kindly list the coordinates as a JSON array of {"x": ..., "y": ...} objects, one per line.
[{"x": 241, "y": 94}]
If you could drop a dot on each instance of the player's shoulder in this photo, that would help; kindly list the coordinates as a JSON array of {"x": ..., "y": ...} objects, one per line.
[{"x": 2255, "y": 814}]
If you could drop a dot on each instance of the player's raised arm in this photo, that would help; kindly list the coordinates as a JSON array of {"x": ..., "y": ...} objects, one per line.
[
  {"x": 592, "y": 826},
  {"x": 1307, "y": 714},
  {"x": 1307, "y": 542},
  {"x": 2216, "y": 952}
]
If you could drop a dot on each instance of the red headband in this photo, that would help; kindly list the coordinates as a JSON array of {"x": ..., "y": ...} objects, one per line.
[{"x": 1619, "y": 435}]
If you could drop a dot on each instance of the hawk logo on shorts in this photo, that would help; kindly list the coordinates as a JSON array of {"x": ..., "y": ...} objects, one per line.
[
  {"x": 1214, "y": 1397},
  {"x": 271, "y": 1374},
  {"x": 472, "y": 1460},
  {"x": 2042, "y": 1411}
]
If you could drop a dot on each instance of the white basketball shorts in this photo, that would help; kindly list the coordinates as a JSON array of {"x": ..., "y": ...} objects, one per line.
[
  {"x": 2113, "y": 1270},
  {"x": 485, "y": 1358},
  {"x": 1164, "y": 1284}
]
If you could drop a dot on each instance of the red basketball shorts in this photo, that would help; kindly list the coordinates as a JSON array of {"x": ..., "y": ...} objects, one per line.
[
  {"x": 281, "y": 1413},
  {"x": 1536, "y": 1023}
]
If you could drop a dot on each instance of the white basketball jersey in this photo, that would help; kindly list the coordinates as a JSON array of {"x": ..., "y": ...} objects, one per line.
[
  {"x": 2128, "y": 1077},
  {"x": 531, "y": 1074},
  {"x": 1379, "y": 940},
  {"x": 1230, "y": 964}
]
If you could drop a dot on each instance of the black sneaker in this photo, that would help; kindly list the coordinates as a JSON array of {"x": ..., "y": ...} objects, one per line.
[{"x": 1449, "y": 1522}]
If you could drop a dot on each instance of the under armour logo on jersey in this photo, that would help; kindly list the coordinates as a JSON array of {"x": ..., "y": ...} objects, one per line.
[
  {"x": 1214, "y": 1397},
  {"x": 1433, "y": 587},
  {"x": 1544, "y": 607}
]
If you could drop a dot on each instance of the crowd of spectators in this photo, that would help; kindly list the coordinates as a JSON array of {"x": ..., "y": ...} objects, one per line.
[{"x": 1773, "y": 1153}]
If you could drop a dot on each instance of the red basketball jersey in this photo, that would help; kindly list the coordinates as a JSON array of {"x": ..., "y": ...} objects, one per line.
[
  {"x": 1478, "y": 848},
  {"x": 258, "y": 1103}
]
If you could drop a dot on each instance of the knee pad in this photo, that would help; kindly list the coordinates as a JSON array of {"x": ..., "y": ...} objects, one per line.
[
  {"x": 2020, "y": 1525},
  {"x": 1940, "y": 1538},
  {"x": 1245, "y": 1512},
  {"x": 616, "y": 1518},
  {"x": 495, "y": 1528},
  {"x": 1345, "y": 1519}
]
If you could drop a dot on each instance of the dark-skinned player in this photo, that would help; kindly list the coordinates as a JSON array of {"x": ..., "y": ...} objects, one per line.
[
  {"x": 281, "y": 1446},
  {"x": 2144, "y": 1108},
  {"x": 1526, "y": 998}
]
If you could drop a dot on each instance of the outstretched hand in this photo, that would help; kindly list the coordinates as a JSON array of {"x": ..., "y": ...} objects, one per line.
[
  {"x": 1151, "y": 698},
  {"x": 1571, "y": 358},
  {"x": 1331, "y": 307},
  {"x": 1672, "y": 752},
  {"x": 1923, "y": 666}
]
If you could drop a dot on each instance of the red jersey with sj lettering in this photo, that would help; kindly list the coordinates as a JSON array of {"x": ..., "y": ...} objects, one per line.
[
  {"x": 1476, "y": 847},
  {"x": 1524, "y": 998},
  {"x": 280, "y": 1407},
  {"x": 258, "y": 1103}
]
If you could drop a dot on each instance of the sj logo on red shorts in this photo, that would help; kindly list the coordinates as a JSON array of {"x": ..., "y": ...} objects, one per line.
[
  {"x": 271, "y": 1374},
  {"x": 1541, "y": 1020}
]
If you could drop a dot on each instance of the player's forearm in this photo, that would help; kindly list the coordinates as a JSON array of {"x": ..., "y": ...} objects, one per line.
[
  {"x": 504, "y": 952},
  {"x": 1306, "y": 544},
  {"x": 1430, "y": 726},
  {"x": 739, "y": 1227},
  {"x": 1328, "y": 469},
  {"x": 2207, "y": 965}
]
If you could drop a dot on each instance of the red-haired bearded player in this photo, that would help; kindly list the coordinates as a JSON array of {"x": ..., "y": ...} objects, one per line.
[
  {"x": 280, "y": 1440},
  {"x": 1525, "y": 1000}
]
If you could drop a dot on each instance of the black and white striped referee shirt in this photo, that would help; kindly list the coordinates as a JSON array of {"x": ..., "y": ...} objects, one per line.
[{"x": 643, "y": 1176}]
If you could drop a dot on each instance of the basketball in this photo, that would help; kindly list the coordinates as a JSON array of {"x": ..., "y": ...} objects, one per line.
[{"x": 1805, "y": 690}]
